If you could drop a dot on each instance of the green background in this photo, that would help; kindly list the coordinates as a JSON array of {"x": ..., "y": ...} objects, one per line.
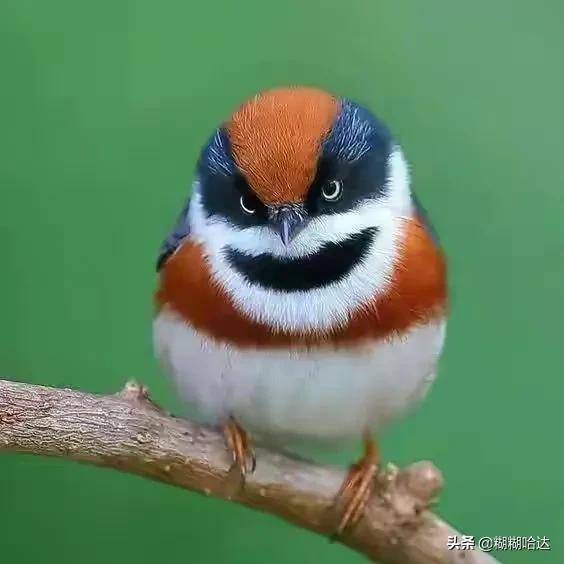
[{"x": 104, "y": 106}]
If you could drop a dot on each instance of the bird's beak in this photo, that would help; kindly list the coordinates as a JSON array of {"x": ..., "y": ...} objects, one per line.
[{"x": 288, "y": 221}]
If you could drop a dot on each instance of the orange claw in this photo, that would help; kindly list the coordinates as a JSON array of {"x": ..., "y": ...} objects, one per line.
[
  {"x": 238, "y": 442},
  {"x": 358, "y": 486}
]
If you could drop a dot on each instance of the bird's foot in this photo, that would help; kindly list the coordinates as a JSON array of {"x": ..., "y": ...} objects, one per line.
[
  {"x": 358, "y": 487},
  {"x": 238, "y": 443}
]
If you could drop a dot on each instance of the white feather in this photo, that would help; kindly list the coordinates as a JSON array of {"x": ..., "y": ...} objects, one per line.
[
  {"x": 323, "y": 394},
  {"x": 322, "y": 308}
]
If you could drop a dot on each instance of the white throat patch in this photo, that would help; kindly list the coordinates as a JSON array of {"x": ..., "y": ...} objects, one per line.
[{"x": 317, "y": 309}]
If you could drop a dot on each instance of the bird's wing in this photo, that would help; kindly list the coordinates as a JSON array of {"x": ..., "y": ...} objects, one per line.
[{"x": 180, "y": 231}]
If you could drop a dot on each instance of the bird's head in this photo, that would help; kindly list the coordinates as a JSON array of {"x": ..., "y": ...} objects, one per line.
[{"x": 297, "y": 204}]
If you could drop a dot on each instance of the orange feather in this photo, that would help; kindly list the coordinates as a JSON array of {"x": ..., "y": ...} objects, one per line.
[
  {"x": 417, "y": 294},
  {"x": 276, "y": 140}
]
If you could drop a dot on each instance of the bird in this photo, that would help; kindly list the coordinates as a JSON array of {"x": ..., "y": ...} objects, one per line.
[{"x": 302, "y": 292}]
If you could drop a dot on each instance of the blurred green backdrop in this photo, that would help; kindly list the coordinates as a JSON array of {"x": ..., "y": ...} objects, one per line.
[{"x": 104, "y": 106}]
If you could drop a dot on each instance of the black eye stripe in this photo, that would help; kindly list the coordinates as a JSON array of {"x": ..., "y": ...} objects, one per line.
[
  {"x": 221, "y": 196},
  {"x": 355, "y": 152},
  {"x": 328, "y": 265}
]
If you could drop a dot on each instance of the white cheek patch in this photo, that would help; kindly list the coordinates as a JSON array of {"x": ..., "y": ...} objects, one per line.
[{"x": 323, "y": 308}]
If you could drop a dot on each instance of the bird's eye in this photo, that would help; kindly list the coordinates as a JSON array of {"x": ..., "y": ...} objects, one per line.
[
  {"x": 247, "y": 206},
  {"x": 332, "y": 191}
]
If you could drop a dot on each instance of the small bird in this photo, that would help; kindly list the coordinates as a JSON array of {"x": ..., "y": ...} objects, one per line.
[{"x": 302, "y": 293}]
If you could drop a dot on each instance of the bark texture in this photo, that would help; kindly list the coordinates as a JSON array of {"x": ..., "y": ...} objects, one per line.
[{"x": 126, "y": 431}]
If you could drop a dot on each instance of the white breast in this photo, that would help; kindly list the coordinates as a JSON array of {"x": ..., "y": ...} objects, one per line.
[{"x": 320, "y": 394}]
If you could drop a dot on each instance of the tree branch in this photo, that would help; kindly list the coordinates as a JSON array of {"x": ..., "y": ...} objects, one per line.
[{"x": 128, "y": 432}]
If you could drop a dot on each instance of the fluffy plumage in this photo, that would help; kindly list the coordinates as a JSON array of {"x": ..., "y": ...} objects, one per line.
[
  {"x": 416, "y": 294},
  {"x": 328, "y": 334},
  {"x": 300, "y": 396}
]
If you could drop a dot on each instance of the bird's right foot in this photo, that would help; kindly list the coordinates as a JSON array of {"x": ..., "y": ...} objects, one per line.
[{"x": 358, "y": 487}]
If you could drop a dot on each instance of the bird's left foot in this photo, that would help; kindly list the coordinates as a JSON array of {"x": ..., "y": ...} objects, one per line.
[
  {"x": 358, "y": 487},
  {"x": 238, "y": 442}
]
